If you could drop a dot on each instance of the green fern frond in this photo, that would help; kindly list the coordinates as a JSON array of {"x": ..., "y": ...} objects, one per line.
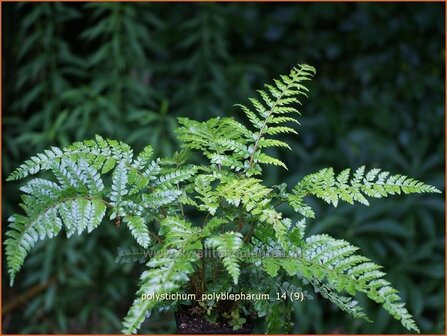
[
  {"x": 22, "y": 236},
  {"x": 46, "y": 220},
  {"x": 68, "y": 174},
  {"x": 227, "y": 245},
  {"x": 269, "y": 115},
  {"x": 100, "y": 153},
  {"x": 327, "y": 260},
  {"x": 331, "y": 188},
  {"x": 334, "y": 269},
  {"x": 92, "y": 178},
  {"x": 167, "y": 272},
  {"x": 76, "y": 201},
  {"x": 252, "y": 117},
  {"x": 79, "y": 176},
  {"x": 165, "y": 275}
]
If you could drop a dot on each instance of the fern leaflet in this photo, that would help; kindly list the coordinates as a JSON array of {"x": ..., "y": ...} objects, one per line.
[{"x": 227, "y": 245}]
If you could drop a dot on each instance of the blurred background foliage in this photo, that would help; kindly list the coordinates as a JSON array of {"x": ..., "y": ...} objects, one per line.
[{"x": 126, "y": 71}]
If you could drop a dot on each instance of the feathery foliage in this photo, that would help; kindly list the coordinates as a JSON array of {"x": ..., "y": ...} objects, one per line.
[
  {"x": 330, "y": 188},
  {"x": 333, "y": 264},
  {"x": 227, "y": 245},
  {"x": 100, "y": 177},
  {"x": 166, "y": 273},
  {"x": 270, "y": 114}
]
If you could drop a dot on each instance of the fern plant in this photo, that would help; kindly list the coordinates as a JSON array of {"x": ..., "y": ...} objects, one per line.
[{"x": 101, "y": 180}]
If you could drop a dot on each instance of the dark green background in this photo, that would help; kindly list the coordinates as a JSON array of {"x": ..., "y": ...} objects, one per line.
[{"x": 126, "y": 71}]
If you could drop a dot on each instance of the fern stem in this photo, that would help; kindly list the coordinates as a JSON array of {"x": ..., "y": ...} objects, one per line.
[
  {"x": 155, "y": 236},
  {"x": 202, "y": 273}
]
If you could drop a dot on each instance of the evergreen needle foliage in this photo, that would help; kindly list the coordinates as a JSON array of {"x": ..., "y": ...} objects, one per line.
[{"x": 101, "y": 180}]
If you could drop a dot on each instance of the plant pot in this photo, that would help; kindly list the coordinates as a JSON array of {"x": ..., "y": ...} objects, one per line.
[{"x": 188, "y": 323}]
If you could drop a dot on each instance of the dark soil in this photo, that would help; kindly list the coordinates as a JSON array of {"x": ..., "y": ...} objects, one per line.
[{"x": 189, "y": 322}]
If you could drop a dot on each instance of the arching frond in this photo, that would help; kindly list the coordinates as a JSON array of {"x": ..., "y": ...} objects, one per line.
[
  {"x": 331, "y": 188},
  {"x": 334, "y": 264},
  {"x": 100, "y": 153},
  {"x": 167, "y": 272},
  {"x": 46, "y": 219}
]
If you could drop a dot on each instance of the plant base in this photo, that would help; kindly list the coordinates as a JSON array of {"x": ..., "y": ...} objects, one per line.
[{"x": 188, "y": 323}]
